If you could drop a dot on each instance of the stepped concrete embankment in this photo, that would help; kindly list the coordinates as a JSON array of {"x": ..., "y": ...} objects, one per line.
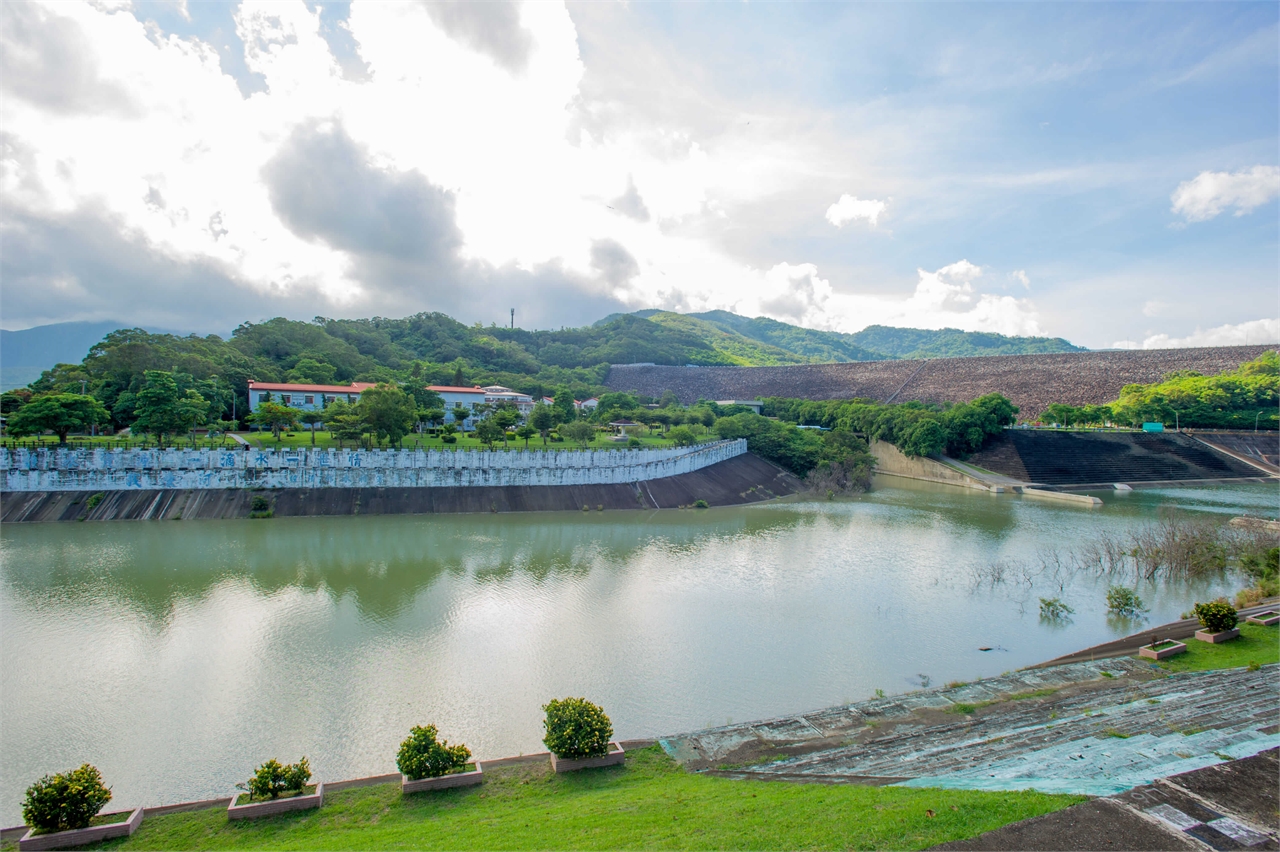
[
  {"x": 1087, "y": 460},
  {"x": 737, "y": 481},
  {"x": 1032, "y": 382}
]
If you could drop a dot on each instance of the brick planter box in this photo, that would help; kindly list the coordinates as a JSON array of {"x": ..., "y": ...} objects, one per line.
[
  {"x": 615, "y": 756},
  {"x": 1264, "y": 618},
  {"x": 271, "y": 807},
  {"x": 81, "y": 836},
  {"x": 1220, "y": 636},
  {"x": 443, "y": 782},
  {"x": 1167, "y": 649}
]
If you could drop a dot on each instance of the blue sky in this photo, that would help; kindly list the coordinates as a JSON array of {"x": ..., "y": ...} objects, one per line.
[{"x": 1103, "y": 172}]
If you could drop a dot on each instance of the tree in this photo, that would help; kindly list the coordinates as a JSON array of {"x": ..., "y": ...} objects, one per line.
[
  {"x": 669, "y": 399},
  {"x": 526, "y": 431},
  {"x": 309, "y": 371},
  {"x": 457, "y": 376},
  {"x": 682, "y": 436},
  {"x": 59, "y": 413},
  {"x": 275, "y": 417},
  {"x": 579, "y": 431},
  {"x": 489, "y": 432},
  {"x": 543, "y": 419},
  {"x": 344, "y": 422},
  {"x": 311, "y": 418},
  {"x": 162, "y": 409},
  {"x": 12, "y": 400},
  {"x": 389, "y": 411},
  {"x": 432, "y": 416},
  {"x": 460, "y": 415},
  {"x": 564, "y": 407}
]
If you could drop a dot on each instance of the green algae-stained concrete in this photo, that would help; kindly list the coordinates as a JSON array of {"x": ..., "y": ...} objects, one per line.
[{"x": 1093, "y": 728}]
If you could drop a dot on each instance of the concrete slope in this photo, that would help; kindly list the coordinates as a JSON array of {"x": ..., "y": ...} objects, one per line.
[
  {"x": 1096, "y": 728},
  {"x": 1080, "y": 459},
  {"x": 744, "y": 479}
]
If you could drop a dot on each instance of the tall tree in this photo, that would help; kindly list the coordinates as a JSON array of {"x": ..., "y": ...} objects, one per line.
[
  {"x": 162, "y": 409},
  {"x": 564, "y": 407},
  {"x": 344, "y": 421},
  {"x": 389, "y": 411},
  {"x": 275, "y": 417},
  {"x": 543, "y": 419},
  {"x": 59, "y": 413}
]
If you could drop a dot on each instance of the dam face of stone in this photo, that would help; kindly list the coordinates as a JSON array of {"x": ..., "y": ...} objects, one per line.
[{"x": 177, "y": 656}]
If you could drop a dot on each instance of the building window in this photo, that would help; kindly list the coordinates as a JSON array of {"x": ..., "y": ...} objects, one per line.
[
  {"x": 286, "y": 398},
  {"x": 328, "y": 399},
  {"x": 263, "y": 397},
  {"x": 308, "y": 400}
]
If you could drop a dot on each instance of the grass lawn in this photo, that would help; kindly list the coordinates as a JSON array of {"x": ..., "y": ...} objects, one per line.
[
  {"x": 1257, "y": 644},
  {"x": 649, "y": 803}
]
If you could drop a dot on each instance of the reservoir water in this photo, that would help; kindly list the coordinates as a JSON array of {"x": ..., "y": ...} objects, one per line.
[{"x": 177, "y": 656}]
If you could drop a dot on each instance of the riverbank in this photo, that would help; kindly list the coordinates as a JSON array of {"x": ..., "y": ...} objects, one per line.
[
  {"x": 737, "y": 481},
  {"x": 647, "y": 803}
]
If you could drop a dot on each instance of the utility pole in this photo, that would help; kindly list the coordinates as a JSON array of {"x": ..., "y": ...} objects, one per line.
[{"x": 513, "y": 319}]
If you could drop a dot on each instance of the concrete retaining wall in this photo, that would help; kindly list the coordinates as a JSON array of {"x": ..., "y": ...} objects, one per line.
[
  {"x": 139, "y": 470},
  {"x": 891, "y": 462},
  {"x": 742, "y": 479}
]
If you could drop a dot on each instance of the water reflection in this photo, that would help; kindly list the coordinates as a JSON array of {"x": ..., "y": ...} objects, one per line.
[{"x": 137, "y": 646}]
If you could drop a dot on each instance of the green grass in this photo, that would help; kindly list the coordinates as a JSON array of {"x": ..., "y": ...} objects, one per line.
[
  {"x": 1256, "y": 644},
  {"x": 649, "y": 803}
]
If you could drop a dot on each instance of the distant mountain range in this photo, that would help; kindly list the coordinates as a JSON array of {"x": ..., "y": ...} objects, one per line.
[
  {"x": 765, "y": 341},
  {"x": 378, "y": 349}
]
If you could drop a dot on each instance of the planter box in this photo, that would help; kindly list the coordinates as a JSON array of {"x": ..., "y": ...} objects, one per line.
[
  {"x": 1264, "y": 618},
  {"x": 1167, "y": 649},
  {"x": 271, "y": 807},
  {"x": 443, "y": 782},
  {"x": 1220, "y": 636},
  {"x": 615, "y": 756},
  {"x": 81, "y": 836}
]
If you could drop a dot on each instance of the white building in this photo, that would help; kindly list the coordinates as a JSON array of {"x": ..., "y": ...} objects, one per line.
[
  {"x": 304, "y": 397},
  {"x": 456, "y": 397},
  {"x": 497, "y": 393},
  {"x": 754, "y": 404}
]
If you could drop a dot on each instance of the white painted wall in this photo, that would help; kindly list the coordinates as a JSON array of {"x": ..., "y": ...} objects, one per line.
[{"x": 115, "y": 470}]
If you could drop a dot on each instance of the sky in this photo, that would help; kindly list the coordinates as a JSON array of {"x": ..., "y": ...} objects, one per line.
[{"x": 1108, "y": 173}]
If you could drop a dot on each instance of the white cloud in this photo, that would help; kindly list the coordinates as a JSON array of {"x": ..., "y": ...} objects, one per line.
[
  {"x": 1020, "y": 275},
  {"x": 850, "y": 207},
  {"x": 1209, "y": 193},
  {"x": 1255, "y": 331}
]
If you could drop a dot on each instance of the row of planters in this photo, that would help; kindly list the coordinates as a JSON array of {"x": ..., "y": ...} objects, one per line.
[
  {"x": 63, "y": 810},
  {"x": 1218, "y": 620}
]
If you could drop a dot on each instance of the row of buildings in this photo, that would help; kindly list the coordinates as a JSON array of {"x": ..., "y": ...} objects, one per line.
[{"x": 317, "y": 397}]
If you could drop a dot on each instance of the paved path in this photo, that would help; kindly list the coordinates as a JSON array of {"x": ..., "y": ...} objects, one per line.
[
  {"x": 1230, "y": 806},
  {"x": 1096, "y": 728}
]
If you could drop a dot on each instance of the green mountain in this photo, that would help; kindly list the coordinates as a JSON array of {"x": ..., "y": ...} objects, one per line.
[
  {"x": 953, "y": 343},
  {"x": 734, "y": 335}
]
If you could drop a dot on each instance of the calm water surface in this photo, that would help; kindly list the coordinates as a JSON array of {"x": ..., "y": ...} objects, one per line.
[{"x": 177, "y": 656}]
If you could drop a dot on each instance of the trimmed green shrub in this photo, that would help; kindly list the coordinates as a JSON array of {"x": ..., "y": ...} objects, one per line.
[
  {"x": 700, "y": 504},
  {"x": 94, "y": 500},
  {"x": 1124, "y": 601},
  {"x": 65, "y": 801},
  {"x": 259, "y": 503},
  {"x": 271, "y": 779},
  {"x": 421, "y": 756},
  {"x": 1216, "y": 616},
  {"x": 576, "y": 728}
]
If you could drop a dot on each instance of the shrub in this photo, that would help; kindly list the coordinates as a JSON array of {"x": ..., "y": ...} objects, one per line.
[
  {"x": 448, "y": 439},
  {"x": 1054, "y": 609},
  {"x": 259, "y": 503},
  {"x": 65, "y": 801},
  {"x": 1124, "y": 601},
  {"x": 700, "y": 504},
  {"x": 271, "y": 779},
  {"x": 576, "y": 728},
  {"x": 421, "y": 756},
  {"x": 94, "y": 500},
  {"x": 634, "y": 442},
  {"x": 1216, "y": 616}
]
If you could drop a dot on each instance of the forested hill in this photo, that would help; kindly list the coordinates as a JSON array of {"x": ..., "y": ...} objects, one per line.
[
  {"x": 724, "y": 331},
  {"x": 434, "y": 348}
]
